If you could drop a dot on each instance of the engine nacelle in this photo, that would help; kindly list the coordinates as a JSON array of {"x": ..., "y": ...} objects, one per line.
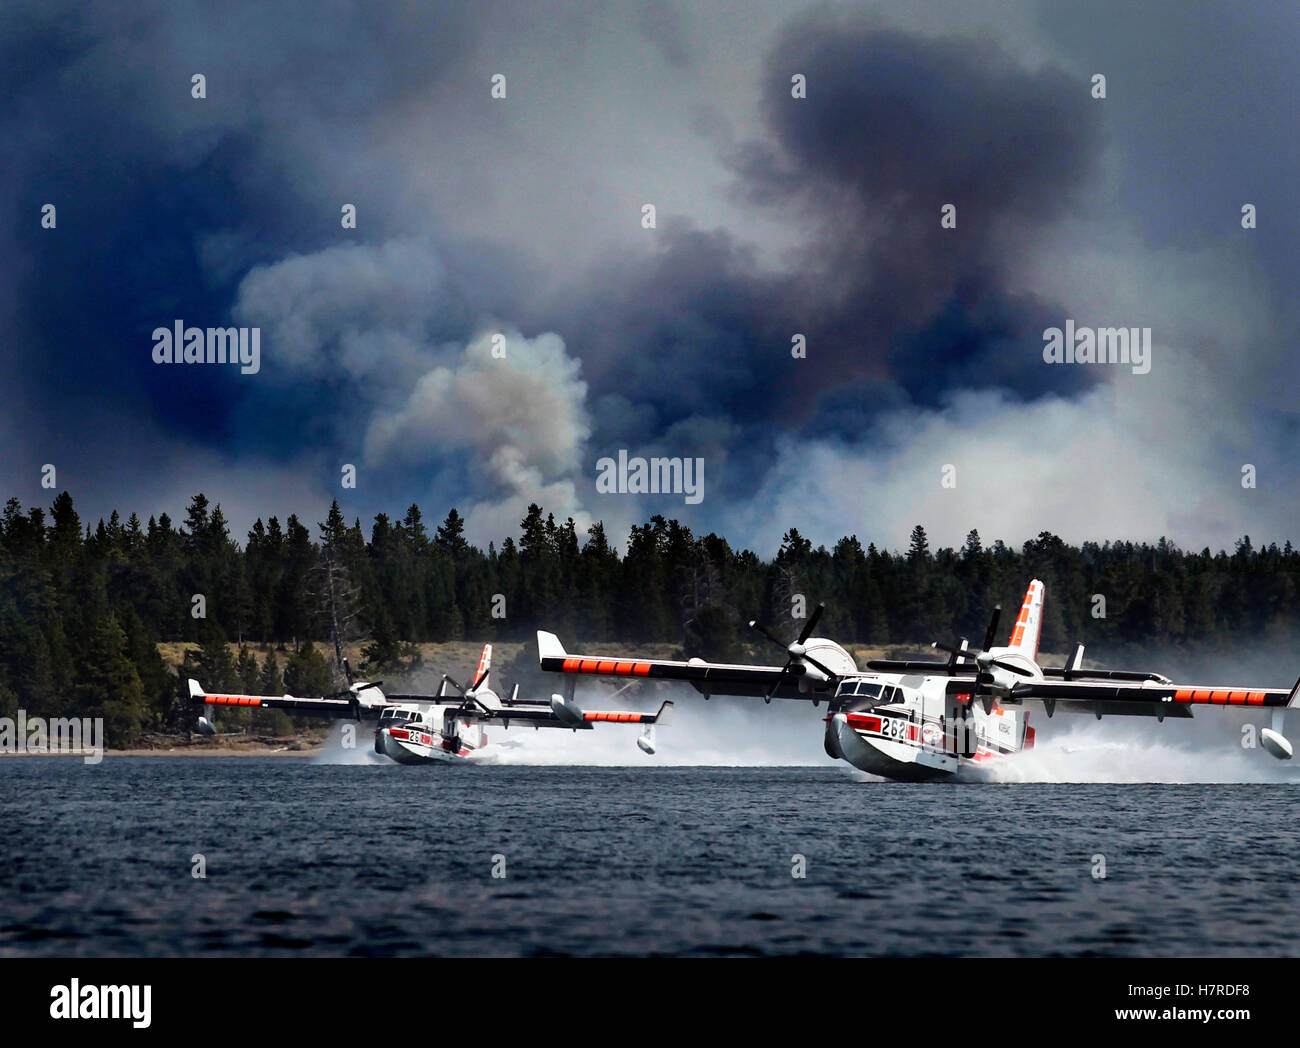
[{"x": 568, "y": 715}]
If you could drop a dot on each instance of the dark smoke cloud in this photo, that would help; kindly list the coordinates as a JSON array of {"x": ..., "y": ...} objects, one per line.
[
  {"x": 171, "y": 208},
  {"x": 894, "y": 126}
]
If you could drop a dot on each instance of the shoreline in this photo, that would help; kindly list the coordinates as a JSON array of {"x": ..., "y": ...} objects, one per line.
[
  {"x": 292, "y": 746},
  {"x": 181, "y": 751}
]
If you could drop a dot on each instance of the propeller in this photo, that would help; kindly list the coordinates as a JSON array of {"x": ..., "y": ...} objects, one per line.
[
  {"x": 347, "y": 671},
  {"x": 983, "y": 659},
  {"x": 349, "y": 692},
  {"x": 980, "y": 656},
  {"x": 794, "y": 651},
  {"x": 975, "y": 655},
  {"x": 463, "y": 690},
  {"x": 991, "y": 632}
]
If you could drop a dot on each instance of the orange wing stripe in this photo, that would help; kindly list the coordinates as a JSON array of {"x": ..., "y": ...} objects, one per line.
[
  {"x": 607, "y": 667},
  {"x": 1221, "y": 696},
  {"x": 232, "y": 700}
]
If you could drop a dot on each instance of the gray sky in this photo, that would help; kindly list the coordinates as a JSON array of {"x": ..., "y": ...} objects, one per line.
[{"x": 775, "y": 215}]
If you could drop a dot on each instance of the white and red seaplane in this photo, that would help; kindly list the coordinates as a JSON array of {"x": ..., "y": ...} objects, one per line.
[
  {"x": 927, "y": 719},
  {"x": 419, "y": 729}
]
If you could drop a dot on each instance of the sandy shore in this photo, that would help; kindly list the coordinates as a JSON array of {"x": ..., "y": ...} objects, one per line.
[
  {"x": 218, "y": 751},
  {"x": 234, "y": 746},
  {"x": 185, "y": 751}
]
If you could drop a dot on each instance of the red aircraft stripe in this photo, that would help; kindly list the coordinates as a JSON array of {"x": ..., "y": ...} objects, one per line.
[
  {"x": 232, "y": 700},
  {"x": 606, "y": 667},
  {"x": 1221, "y": 696}
]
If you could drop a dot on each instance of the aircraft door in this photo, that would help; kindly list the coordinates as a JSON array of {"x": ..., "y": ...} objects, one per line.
[{"x": 959, "y": 735}]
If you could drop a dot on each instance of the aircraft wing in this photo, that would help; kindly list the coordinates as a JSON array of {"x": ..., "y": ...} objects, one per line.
[
  {"x": 708, "y": 678},
  {"x": 329, "y": 706},
  {"x": 561, "y": 714},
  {"x": 1146, "y": 698}
]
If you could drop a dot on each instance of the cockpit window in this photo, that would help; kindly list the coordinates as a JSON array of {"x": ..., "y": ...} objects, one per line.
[
  {"x": 858, "y": 689},
  {"x": 863, "y": 695}
]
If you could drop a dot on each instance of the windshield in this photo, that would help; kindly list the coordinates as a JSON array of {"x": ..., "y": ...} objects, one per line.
[
  {"x": 858, "y": 691},
  {"x": 864, "y": 695}
]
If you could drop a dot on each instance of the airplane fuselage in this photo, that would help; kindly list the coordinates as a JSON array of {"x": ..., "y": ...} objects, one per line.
[
  {"x": 415, "y": 734},
  {"x": 914, "y": 727}
]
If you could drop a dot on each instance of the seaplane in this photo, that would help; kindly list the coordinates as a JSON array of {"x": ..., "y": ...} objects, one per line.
[
  {"x": 447, "y": 726},
  {"x": 928, "y": 719}
]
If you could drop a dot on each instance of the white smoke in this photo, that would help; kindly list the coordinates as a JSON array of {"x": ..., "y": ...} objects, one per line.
[
  {"x": 1089, "y": 754},
  {"x": 349, "y": 743},
  {"x": 506, "y": 412},
  {"x": 516, "y": 406},
  {"x": 721, "y": 733}
]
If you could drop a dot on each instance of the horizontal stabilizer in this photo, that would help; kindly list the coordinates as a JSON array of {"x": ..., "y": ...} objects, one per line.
[{"x": 549, "y": 646}]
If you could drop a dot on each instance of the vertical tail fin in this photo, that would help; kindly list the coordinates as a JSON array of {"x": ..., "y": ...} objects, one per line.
[
  {"x": 484, "y": 668},
  {"x": 1029, "y": 623}
]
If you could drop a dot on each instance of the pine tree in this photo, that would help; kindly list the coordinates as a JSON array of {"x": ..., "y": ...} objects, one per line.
[
  {"x": 246, "y": 670},
  {"x": 450, "y": 536},
  {"x": 336, "y": 596},
  {"x": 269, "y": 681},
  {"x": 308, "y": 673}
]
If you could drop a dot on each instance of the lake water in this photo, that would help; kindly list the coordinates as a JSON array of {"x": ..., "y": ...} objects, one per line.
[{"x": 304, "y": 857}]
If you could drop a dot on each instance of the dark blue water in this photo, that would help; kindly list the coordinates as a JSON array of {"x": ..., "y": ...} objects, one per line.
[{"x": 303, "y": 858}]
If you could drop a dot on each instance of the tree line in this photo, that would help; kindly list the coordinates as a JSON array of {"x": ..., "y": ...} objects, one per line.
[{"x": 83, "y": 609}]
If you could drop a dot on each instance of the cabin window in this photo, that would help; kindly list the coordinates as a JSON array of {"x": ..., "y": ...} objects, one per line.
[{"x": 857, "y": 695}]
